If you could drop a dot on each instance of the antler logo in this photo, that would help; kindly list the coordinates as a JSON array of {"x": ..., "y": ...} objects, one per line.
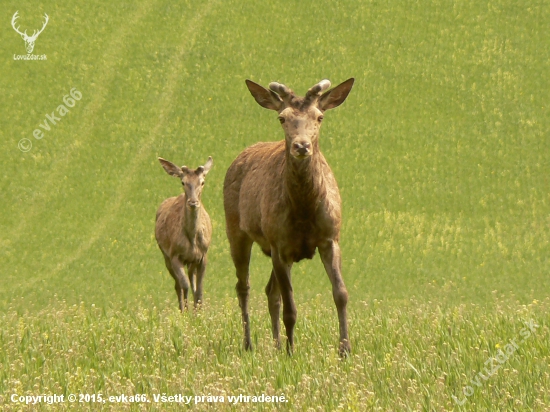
[{"x": 29, "y": 40}]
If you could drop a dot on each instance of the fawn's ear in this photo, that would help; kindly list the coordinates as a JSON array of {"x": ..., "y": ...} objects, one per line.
[
  {"x": 203, "y": 170},
  {"x": 335, "y": 97},
  {"x": 171, "y": 168},
  {"x": 208, "y": 165},
  {"x": 265, "y": 98}
]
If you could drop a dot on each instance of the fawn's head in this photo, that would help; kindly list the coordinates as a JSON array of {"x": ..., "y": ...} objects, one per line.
[
  {"x": 192, "y": 180},
  {"x": 301, "y": 117}
]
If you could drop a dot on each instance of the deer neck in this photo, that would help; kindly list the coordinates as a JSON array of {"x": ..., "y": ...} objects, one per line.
[
  {"x": 191, "y": 218},
  {"x": 304, "y": 183}
]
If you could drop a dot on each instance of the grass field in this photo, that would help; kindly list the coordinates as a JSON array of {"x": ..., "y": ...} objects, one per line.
[{"x": 441, "y": 152}]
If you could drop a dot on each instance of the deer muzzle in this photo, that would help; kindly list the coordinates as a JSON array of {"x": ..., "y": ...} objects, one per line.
[
  {"x": 194, "y": 203},
  {"x": 301, "y": 150}
]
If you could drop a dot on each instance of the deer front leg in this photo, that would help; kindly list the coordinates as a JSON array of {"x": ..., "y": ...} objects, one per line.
[
  {"x": 282, "y": 273},
  {"x": 330, "y": 255},
  {"x": 191, "y": 270},
  {"x": 274, "y": 303},
  {"x": 200, "y": 271},
  {"x": 182, "y": 283},
  {"x": 241, "y": 247}
]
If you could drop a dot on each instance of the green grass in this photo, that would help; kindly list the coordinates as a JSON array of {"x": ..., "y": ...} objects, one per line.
[
  {"x": 441, "y": 153},
  {"x": 415, "y": 356}
]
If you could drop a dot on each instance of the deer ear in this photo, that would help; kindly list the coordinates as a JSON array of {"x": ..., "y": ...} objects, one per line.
[
  {"x": 171, "y": 168},
  {"x": 208, "y": 165},
  {"x": 335, "y": 97},
  {"x": 265, "y": 98}
]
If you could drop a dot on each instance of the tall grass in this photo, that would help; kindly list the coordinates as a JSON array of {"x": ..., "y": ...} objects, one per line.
[{"x": 412, "y": 356}]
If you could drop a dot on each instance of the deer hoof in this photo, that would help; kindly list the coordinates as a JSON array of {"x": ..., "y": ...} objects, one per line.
[{"x": 345, "y": 349}]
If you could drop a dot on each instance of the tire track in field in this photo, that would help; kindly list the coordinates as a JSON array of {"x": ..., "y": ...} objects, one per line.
[
  {"x": 104, "y": 78},
  {"x": 164, "y": 110}
]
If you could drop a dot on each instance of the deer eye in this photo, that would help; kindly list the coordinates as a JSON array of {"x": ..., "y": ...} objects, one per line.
[
  {"x": 202, "y": 183},
  {"x": 320, "y": 119},
  {"x": 281, "y": 119}
]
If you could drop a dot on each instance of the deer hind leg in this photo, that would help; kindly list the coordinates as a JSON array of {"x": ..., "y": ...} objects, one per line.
[
  {"x": 241, "y": 246},
  {"x": 200, "y": 269},
  {"x": 182, "y": 283},
  {"x": 274, "y": 303},
  {"x": 330, "y": 255},
  {"x": 282, "y": 274}
]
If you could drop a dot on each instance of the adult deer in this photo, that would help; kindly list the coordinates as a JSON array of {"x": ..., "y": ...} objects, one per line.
[
  {"x": 183, "y": 231},
  {"x": 29, "y": 40},
  {"x": 283, "y": 196}
]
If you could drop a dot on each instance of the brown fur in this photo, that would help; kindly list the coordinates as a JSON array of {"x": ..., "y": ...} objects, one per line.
[
  {"x": 183, "y": 231},
  {"x": 283, "y": 196}
]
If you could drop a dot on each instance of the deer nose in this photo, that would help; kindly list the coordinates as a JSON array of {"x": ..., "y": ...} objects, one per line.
[
  {"x": 193, "y": 203},
  {"x": 302, "y": 148}
]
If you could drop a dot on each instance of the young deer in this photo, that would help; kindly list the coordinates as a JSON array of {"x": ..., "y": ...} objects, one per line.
[
  {"x": 183, "y": 231},
  {"x": 283, "y": 196}
]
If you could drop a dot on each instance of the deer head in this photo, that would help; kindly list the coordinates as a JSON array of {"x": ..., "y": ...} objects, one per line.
[
  {"x": 300, "y": 116},
  {"x": 29, "y": 40},
  {"x": 192, "y": 180}
]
